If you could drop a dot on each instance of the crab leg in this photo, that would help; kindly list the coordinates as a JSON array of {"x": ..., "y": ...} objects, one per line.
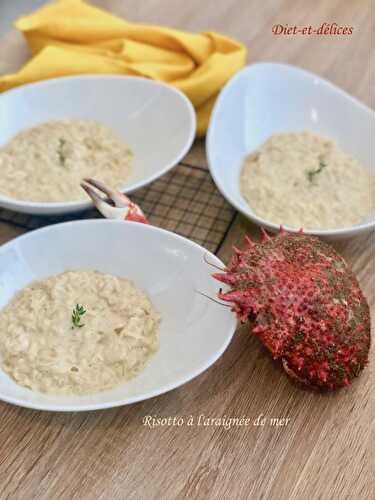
[{"x": 122, "y": 208}]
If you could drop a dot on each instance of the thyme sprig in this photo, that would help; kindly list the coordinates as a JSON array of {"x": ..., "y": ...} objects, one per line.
[
  {"x": 77, "y": 314},
  {"x": 60, "y": 152},
  {"x": 312, "y": 173}
]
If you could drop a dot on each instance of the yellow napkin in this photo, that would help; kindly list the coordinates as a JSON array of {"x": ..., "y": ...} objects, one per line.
[{"x": 70, "y": 37}]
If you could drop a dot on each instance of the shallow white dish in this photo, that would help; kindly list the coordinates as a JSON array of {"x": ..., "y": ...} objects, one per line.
[
  {"x": 194, "y": 331},
  {"x": 156, "y": 120},
  {"x": 268, "y": 98}
]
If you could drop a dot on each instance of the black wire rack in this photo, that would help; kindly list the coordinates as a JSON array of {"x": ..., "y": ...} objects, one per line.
[{"x": 185, "y": 201}]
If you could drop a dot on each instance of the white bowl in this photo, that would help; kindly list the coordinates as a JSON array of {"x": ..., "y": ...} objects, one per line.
[
  {"x": 194, "y": 331},
  {"x": 266, "y": 98},
  {"x": 156, "y": 120}
]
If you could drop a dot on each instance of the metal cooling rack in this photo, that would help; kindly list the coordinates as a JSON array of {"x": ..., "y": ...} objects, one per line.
[{"x": 185, "y": 201}]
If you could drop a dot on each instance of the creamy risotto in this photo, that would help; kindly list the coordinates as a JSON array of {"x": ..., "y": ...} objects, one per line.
[
  {"x": 46, "y": 163},
  {"x": 305, "y": 180},
  {"x": 77, "y": 333}
]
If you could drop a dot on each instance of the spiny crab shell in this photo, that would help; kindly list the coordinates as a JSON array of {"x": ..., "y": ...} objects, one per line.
[{"x": 306, "y": 304}]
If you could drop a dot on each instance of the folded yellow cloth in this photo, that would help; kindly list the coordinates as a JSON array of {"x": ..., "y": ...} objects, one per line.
[{"x": 70, "y": 37}]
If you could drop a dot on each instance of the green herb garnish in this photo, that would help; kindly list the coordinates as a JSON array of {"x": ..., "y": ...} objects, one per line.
[
  {"x": 77, "y": 314},
  {"x": 312, "y": 173},
  {"x": 60, "y": 152}
]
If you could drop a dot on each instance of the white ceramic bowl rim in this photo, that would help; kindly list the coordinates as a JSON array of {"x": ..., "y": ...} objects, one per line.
[{"x": 346, "y": 231}]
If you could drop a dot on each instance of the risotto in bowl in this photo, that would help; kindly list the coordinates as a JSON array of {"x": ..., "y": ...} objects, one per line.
[
  {"x": 124, "y": 131},
  {"x": 89, "y": 325},
  {"x": 286, "y": 147}
]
